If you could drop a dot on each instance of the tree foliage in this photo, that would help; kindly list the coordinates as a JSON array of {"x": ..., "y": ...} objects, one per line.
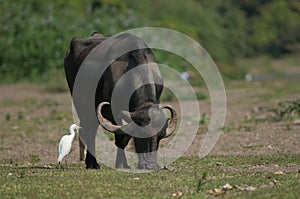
[
  {"x": 35, "y": 34},
  {"x": 276, "y": 30}
]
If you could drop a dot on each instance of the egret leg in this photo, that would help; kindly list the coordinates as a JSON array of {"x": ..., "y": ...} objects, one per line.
[{"x": 66, "y": 162}]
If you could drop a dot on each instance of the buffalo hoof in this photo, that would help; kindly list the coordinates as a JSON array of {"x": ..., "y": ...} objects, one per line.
[
  {"x": 123, "y": 167},
  {"x": 91, "y": 162},
  {"x": 92, "y": 166},
  {"x": 149, "y": 166}
]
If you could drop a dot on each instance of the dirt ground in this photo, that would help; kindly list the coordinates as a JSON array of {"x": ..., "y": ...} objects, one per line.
[{"x": 33, "y": 120}]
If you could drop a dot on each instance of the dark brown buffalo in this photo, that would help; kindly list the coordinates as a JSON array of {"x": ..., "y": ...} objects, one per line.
[{"x": 144, "y": 98}]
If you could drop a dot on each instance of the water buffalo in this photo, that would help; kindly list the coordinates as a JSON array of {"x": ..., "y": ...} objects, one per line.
[{"x": 144, "y": 107}]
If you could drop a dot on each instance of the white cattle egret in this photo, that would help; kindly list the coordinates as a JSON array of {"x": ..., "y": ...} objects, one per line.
[{"x": 65, "y": 144}]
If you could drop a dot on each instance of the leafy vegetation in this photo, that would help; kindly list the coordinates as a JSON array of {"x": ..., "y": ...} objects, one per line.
[
  {"x": 35, "y": 34},
  {"x": 287, "y": 109}
]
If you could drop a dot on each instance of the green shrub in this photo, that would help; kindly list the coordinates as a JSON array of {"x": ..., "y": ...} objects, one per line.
[
  {"x": 35, "y": 34},
  {"x": 277, "y": 29},
  {"x": 286, "y": 109}
]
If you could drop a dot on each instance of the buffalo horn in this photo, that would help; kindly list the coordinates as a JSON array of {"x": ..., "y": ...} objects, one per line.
[{"x": 106, "y": 124}]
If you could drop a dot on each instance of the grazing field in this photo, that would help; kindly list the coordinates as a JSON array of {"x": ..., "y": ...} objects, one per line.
[
  {"x": 257, "y": 155},
  {"x": 261, "y": 176}
]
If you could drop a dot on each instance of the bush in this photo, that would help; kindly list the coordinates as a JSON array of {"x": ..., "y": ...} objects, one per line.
[
  {"x": 35, "y": 35},
  {"x": 276, "y": 29}
]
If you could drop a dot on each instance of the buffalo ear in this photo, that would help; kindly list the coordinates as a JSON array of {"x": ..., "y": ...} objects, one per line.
[
  {"x": 162, "y": 133},
  {"x": 171, "y": 122}
]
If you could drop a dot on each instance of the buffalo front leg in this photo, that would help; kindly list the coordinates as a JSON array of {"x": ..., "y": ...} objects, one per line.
[
  {"x": 90, "y": 161},
  {"x": 88, "y": 138},
  {"x": 147, "y": 153},
  {"x": 121, "y": 160},
  {"x": 81, "y": 150}
]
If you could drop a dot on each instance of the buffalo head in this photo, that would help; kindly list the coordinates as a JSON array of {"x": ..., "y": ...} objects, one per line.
[{"x": 147, "y": 125}]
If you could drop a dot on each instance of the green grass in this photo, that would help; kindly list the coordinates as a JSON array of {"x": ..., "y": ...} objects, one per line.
[{"x": 191, "y": 177}]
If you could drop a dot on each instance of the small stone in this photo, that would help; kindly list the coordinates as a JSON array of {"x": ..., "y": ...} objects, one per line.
[
  {"x": 275, "y": 182},
  {"x": 227, "y": 186},
  {"x": 15, "y": 128},
  {"x": 246, "y": 188},
  {"x": 279, "y": 172},
  {"x": 47, "y": 166},
  {"x": 296, "y": 122},
  {"x": 177, "y": 194},
  {"x": 217, "y": 190}
]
